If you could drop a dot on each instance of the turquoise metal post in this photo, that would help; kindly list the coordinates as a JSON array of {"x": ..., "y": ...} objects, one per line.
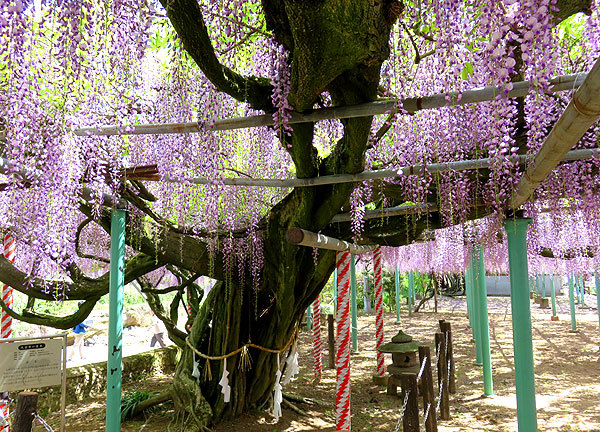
[
  {"x": 543, "y": 285},
  {"x": 397, "y": 284},
  {"x": 411, "y": 290},
  {"x": 353, "y": 303},
  {"x": 484, "y": 327},
  {"x": 581, "y": 291},
  {"x": 516, "y": 232},
  {"x": 553, "y": 294},
  {"x": 572, "y": 304},
  {"x": 309, "y": 318},
  {"x": 468, "y": 290},
  {"x": 537, "y": 285},
  {"x": 475, "y": 301},
  {"x": 597, "y": 280},
  {"x": 115, "y": 321},
  {"x": 576, "y": 292}
]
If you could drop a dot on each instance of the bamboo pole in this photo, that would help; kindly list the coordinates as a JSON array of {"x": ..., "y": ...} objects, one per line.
[
  {"x": 581, "y": 113},
  {"x": 462, "y": 165},
  {"x": 302, "y": 237},
  {"x": 411, "y": 105}
]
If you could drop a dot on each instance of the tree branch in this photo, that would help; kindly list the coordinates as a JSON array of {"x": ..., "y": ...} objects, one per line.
[
  {"x": 62, "y": 323},
  {"x": 186, "y": 17},
  {"x": 78, "y": 289}
]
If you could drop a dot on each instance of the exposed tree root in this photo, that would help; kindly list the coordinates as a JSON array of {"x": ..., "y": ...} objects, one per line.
[
  {"x": 153, "y": 401},
  {"x": 301, "y": 399},
  {"x": 294, "y": 408}
]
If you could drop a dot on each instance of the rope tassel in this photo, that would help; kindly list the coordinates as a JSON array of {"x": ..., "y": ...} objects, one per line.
[{"x": 245, "y": 359}]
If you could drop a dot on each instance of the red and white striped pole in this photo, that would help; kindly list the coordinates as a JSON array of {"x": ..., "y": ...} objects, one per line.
[
  {"x": 342, "y": 402},
  {"x": 317, "y": 344},
  {"x": 378, "y": 311},
  {"x": 6, "y": 321}
]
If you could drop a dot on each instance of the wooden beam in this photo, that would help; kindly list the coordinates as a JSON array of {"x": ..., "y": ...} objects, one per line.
[
  {"x": 581, "y": 113},
  {"x": 411, "y": 105},
  {"x": 302, "y": 237}
]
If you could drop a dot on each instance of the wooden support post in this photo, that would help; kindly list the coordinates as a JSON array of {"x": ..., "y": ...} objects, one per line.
[
  {"x": 331, "y": 341},
  {"x": 445, "y": 327},
  {"x": 26, "y": 408},
  {"x": 410, "y": 422},
  {"x": 427, "y": 390},
  {"x": 442, "y": 368}
]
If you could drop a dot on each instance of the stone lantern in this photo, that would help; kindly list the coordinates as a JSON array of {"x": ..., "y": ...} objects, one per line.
[{"x": 404, "y": 358}]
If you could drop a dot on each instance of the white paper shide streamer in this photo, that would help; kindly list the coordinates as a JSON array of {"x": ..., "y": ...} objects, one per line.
[
  {"x": 277, "y": 393},
  {"x": 226, "y": 390},
  {"x": 196, "y": 369},
  {"x": 291, "y": 366}
]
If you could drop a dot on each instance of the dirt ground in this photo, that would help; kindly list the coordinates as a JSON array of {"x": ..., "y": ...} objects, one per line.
[{"x": 567, "y": 369}]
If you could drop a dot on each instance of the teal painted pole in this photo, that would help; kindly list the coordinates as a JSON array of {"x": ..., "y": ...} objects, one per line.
[
  {"x": 581, "y": 291},
  {"x": 543, "y": 285},
  {"x": 468, "y": 290},
  {"x": 115, "y": 321},
  {"x": 576, "y": 293},
  {"x": 353, "y": 303},
  {"x": 537, "y": 285},
  {"x": 476, "y": 302},
  {"x": 553, "y": 295},
  {"x": 309, "y": 318},
  {"x": 531, "y": 284},
  {"x": 411, "y": 290},
  {"x": 572, "y": 304},
  {"x": 335, "y": 292},
  {"x": 516, "y": 232},
  {"x": 484, "y": 327},
  {"x": 597, "y": 280},
  {"x": 397, "y": 284}
]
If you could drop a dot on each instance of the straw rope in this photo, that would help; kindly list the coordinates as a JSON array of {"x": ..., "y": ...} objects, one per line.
[{"x": 242, "y": 348}]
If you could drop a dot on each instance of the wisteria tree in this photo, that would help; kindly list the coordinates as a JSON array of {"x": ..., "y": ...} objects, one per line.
[{"x": 232, "y": 58}]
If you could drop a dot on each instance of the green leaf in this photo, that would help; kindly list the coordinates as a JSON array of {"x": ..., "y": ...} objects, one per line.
[{"x": 467, "y": 71}]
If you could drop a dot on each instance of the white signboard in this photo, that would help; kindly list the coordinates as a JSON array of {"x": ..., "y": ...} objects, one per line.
[{"x": 30, "y": 364}]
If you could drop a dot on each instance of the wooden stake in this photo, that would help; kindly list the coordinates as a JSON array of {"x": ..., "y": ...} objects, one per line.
[
  {"x": 427, "y": 390},
  {"x": 446, "y": 329},
  {"x": 410, "y": 422},
  {"x": 442, "y": 368},
  {"x": 26, "y": 409},
  {"x": 331, "y": 341}
]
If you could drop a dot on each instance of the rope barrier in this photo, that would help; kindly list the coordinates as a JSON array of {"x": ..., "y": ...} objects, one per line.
[
  {"x": 426, "y": 415},
  {"x": 402, "y": 412},
  {"x": 42, "y": 422},
  {"x": 422, "y": 369},
  {"x": 437, "y": 407},
  {"x": 242, "y": 348}
]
